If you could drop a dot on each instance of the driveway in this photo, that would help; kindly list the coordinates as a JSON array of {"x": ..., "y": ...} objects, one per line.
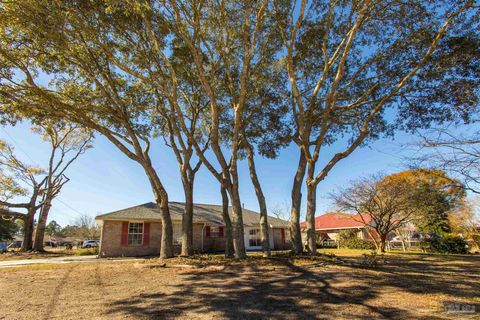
[{"x": 59, "y": 260}]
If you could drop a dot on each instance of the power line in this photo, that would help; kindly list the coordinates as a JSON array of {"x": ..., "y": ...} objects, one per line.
[
  {"x": 17, "y": 145},
  {"x": 70, "y": 207}
]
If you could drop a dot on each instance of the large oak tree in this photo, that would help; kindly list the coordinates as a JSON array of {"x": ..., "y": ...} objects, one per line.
[
  {"x": 60, "y": 39},
  {"x": 360, "y": 69}
]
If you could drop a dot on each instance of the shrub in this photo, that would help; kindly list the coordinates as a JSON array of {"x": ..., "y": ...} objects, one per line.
[
  {"x": 348, "y": 239},
  {"x": 447, "y": 244},
  {"x": 476, "y": 240},
  {"x": 347, "y": 234},
  {"x": 356, "y": 243}
]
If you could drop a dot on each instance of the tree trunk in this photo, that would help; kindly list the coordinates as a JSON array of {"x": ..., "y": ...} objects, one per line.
[
  {"x": 187, "y": 218},
  {"x": 264, "y": 228},
  {"x": 295, "y": 232},
  {"x": 41, "y": 225},
  {"x": 228, "y": 225},
  {"x": 161, "y": 198},
  {"x": 404, "y": 247},
  {"x": 237, "y": 223},
  {"x": 29, "y": 222},
  {"x": 28, "y": 229},
  {"x": 383, "y": 241},
  {"x": 311, "y": 208},
  {"x": 166, "y": 245}
]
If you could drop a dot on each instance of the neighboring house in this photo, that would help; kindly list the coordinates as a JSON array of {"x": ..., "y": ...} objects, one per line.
[
  {"x": 328, "y": 225},
  {"x": 136, "y": 231}
]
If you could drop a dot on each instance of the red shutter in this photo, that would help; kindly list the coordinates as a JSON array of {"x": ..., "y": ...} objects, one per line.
[
  {"x": 283, "y": 235},
  {"x": 220, "y": 232},
  {"x": 124, "y": 236},
  {"x": 207, "y": 232},
  {"x": 146, "y": 233}
]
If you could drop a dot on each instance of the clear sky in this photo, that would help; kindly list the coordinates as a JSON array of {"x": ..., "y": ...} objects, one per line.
[{"x": 104, "y": 179}]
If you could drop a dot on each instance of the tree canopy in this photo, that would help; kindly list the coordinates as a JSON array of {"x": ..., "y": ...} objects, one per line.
[
  {"x": 433, "y": 194},
  {"x": 240, "y": 78}
]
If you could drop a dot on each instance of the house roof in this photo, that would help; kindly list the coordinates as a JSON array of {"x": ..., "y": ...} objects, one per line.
[
  {"x": 338, "y": 220},
  {"x": 202, "y": 213}
]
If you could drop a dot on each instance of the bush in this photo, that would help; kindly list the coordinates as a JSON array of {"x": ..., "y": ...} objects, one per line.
[
  {"x": 476, "y": 240},
  {"x": 349, "y": 239},
  {"x": 356, "y": 243},
  {"x": 447, "y": 244}
]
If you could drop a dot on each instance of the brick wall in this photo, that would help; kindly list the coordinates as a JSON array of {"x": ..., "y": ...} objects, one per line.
[
  {"x": 280, "y": 243},
  {"x": 111, "y": 246}
]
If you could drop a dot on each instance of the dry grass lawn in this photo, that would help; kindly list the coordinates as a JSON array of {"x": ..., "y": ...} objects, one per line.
[
  {"x": 406, "y": 287},
  {"x": 50, "y": 253}
]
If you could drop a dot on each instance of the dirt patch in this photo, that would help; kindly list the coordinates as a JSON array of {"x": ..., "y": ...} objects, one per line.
[{"x": 416, "y": 287}]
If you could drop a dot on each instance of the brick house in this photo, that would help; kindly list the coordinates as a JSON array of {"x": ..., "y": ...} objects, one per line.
[{"x": 136, "y": 231}]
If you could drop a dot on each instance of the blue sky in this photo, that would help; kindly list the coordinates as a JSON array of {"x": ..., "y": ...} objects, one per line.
[{"x": 104, "y": 179}]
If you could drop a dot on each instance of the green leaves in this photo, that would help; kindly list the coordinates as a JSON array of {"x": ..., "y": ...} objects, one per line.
[{"x": 432, "y": 194}]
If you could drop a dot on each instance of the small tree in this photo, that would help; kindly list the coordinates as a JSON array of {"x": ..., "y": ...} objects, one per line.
[
  {"x": 53, "y": 229},
  {"x": 433, "y": 194},
  {"x": 385, "y": 201},
  {"x": 87, "y": 228},
  {"x": 67, "y": 143},
  {"x": 20, "y": 179},
  {"x": 465, "y": 222},
  {"x": 8, "y": 229}
]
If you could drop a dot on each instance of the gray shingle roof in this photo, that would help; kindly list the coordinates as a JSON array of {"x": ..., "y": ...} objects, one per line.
[{"x": 204, "y": 213}]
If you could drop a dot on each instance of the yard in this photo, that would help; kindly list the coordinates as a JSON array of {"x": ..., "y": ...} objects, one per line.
[
  {"x": 406, "y": 286},
  {"x": 49, "y": 253}
]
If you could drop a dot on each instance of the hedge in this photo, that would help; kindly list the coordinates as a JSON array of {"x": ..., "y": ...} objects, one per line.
[
  {"x": 447, "y": 244},
  {"x": 356, "y": 243}
]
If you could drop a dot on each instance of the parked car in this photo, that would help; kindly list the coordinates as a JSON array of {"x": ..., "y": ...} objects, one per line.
[{"x": 90, "y": 243}]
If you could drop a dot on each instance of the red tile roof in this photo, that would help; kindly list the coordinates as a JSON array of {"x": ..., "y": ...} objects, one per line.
[{"x": 337, "y": 220}]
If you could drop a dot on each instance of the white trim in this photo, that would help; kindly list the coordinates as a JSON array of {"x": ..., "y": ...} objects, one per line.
[
  {"x": 246, "y": 237},
  {"x": 340, "y": 228},
  {"x": 138, "y": 233}
]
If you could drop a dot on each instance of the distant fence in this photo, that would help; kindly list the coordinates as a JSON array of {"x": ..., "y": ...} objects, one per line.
[
  {"x": 397, "y": 244},
  {"x": 391, "y": 245},
  {"x": 328, "y": 243}
]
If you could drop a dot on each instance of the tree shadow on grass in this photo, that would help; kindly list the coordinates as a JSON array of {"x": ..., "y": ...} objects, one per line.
[
  {"x": 243, "y": 292},
  {"x": 455, "y": 275}
]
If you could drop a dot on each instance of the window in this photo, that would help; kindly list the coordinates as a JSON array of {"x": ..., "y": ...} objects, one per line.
[
  {"x": 254, "y": 238},
  {"x": 135, "y": 234},
  {"x": 214, "y": 232}
]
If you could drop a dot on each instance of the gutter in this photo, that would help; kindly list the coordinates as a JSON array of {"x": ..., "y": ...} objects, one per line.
[{"x": 203, "y": 229}]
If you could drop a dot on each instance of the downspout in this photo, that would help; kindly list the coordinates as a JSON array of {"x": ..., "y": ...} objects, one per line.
[
  {"x": 100, "y": 247},
  {"x": 203, "y": 229}
]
